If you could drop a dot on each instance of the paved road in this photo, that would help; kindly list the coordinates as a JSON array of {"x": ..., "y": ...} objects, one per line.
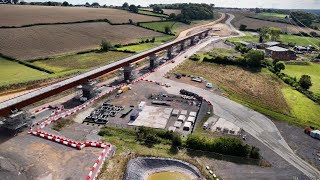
[{"x": 256, "y": 124}]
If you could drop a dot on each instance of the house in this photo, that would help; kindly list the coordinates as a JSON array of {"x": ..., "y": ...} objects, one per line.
[
  {"x": 280, "y": 54},
  {"x": 246, "y": 44},
  {"x": 271, "y": 43}
]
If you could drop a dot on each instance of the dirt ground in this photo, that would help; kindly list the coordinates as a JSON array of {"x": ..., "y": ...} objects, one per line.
[
  {"x": 11, "y": 15},
  {"x": 30, "y": 157}
]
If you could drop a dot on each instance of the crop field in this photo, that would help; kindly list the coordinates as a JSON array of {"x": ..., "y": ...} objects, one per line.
[
  {"x": 50, "y": 40},
  {"x": 262, "y": 89},
  {"x": 11, "y": 72},
  {"x": 80, "y": 61},
  {"x": 312, "y": 70},
  {"x": 152, "y": 13},
  {"x": 12, "y": 15},
  {"x": 256, "y": 24},
  {"x": 271, "y": 15},
  {"x": 166, "y": 11},
  {"x": 299, "y": 40}
]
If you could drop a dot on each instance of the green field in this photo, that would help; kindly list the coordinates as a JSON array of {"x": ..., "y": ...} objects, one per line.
[
  {"x": 299, "y": 40},
  {"x": 312, "y": 70},
  {"x": 159, "y": 26},
  {"x": 80, "y": 61},
  {"x": 307, "y": 111},
  {"x": 14, "y": 72},
  {"x": 271, "y": 15},
  {"x": 146, "y": 46},
  {"x": 152, "y": 14}
]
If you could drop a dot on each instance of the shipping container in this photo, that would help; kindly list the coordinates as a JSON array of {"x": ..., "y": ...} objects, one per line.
[
  {"x": 134, "y": 115},
  {"x": 315, "y": 134}
]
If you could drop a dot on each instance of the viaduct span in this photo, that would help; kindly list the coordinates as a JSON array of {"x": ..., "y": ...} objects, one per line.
[{"x": 24, "y": 100}]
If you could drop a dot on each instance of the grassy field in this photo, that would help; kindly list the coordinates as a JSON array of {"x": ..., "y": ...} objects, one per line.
[
  {"x": 166, "y": 11},
  {"x": 307, "y": 111},
  {"x": 11, "y": 15},
  {"x": 80, "y": 61},
  {"x": 312, "y": 70},
  {"x": 299, "y": 40},
  {"x": 152, "y": 14},
  {"x": 51, "y": 40},
  {"x": 271, "y": 15},
  {"x": 160, "y": 26},
  {"x": 13, "y": 72},
  {"x": 262, "y": 89},
  {"x": 146, "y": 46}
]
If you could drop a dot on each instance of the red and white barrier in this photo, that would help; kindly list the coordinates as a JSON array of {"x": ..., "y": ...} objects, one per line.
[
  {"x": 58, "y": 139},
  {"x": 37, "y": 111},
  {"x": 102, "y": 157},
  {"x": 95, "y": 144}
]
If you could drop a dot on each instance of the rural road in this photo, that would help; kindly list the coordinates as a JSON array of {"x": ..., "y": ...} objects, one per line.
[{"x": 254, "y": 123}]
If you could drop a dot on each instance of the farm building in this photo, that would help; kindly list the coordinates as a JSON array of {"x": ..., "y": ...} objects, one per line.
[
  {"x": 246, "y": 44},
  {"x": 271, "y": 43},
  {"x": 279, "y": 53}
]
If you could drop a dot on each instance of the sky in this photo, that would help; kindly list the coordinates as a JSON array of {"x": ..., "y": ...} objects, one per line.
[{"x": 277, "y": 4}]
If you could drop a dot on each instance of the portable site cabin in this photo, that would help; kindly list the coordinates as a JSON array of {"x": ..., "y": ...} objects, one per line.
[
  {"x": 175, "y": 112},
  {"x": 142, "y": 105},
  {"x": 184, "y": 112},
  {"x": 187, "y": 126},
  {"x": 315, "y": 134},
  {"x": 191, "y": 119},
  {"x": 182, "y": 118},
  {"x": 177, "y": 124},
  {"x": 193, "y": 114}
]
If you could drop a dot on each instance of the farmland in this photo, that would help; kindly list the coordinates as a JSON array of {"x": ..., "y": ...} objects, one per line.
[
  {"x": 80, "y": 61},
  {"x": 11, "y": 15},
  {"x": 312, "y": 70},
  {"x": 160, "y": 26},
  {"x": 271, "y": 15},
  {"x": 152, "y": 13},
  {"x": 166, "y": 11},
  {"x": 13, "y": 72},
  {"x": 299, "y": 40},
  {"x": 51, "y": 40},
  {"x": 146, "y": 46},
  {"x": 256, "y": 23}
]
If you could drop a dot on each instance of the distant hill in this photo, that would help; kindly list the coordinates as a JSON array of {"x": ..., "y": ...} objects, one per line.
[{"x": 316, "y": 11}]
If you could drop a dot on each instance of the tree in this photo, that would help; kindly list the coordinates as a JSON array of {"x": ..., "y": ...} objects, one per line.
[
  {"x": 133, "y": 8},
  {"x": 274, "y": 33},
  {"x": 176, "y": 140},
  {"x": 125, "y": 5},
  {"x": 167, "y": 29},
  {"x": 305, "y": 81},
  {"x": 106, "y": 45},
  {"x": 130, "y": 21},
  {"x": 87, "y": 4},
  {"x": 157, "y": 9},
  {"x": 65, "y": 3},
  {"x": 254, "y": 58},
  {"x": 303, "y": 18},
  {"x": 15, "y": 1},
  {"x": 279, "y": 66},
  {"x": 314, "y": 34},
  {"x": 242, "y": 27},
  {"x": 172, "y": 16},
  {"x": 263, "y": 34},
  {"x": 95, "y": 4}
]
